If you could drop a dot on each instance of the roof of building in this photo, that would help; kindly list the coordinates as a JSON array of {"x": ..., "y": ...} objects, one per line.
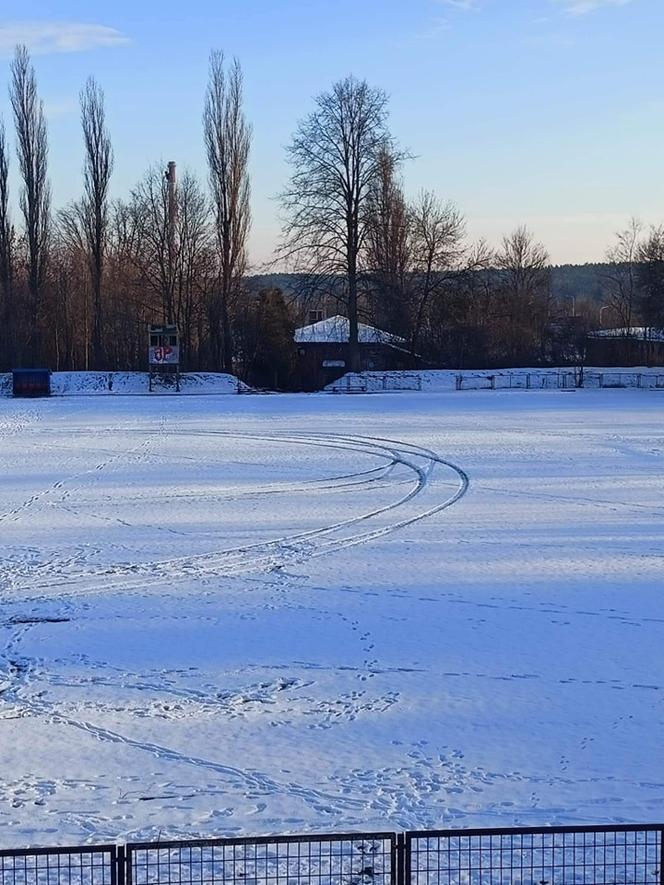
[
  {"x": 336, "y": 330},
  {"x": 642, "y": 333}
]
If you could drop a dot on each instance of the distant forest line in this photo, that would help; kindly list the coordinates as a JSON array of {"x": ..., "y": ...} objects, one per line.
[{"x": 591, "y": 281}]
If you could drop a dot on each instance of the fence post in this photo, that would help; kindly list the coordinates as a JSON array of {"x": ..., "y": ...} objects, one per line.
[
  {"x": 120, "y": 867},
  {"x": 402, "y": 875}
]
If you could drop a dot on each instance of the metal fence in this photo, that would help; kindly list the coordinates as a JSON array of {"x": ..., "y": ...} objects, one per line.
[
  {"x": 630, "y": 855},
  {"x": 96, "y": 865},
  {"x": 374, "y": 382},
  {"x": 588, "y": 855},
  {"x": 645, "y": 380},
  {"x": 520, "y": 381},
  {"x": 294, "y": 860},
  {"x": 559, "y": 380}
]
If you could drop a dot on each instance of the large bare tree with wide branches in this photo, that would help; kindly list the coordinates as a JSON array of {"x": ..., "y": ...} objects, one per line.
[{"x": 335, "y": 157}]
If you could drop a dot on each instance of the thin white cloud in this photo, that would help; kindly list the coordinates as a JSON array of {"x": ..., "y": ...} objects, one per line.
[
  {"x": 45, "y": 37},
  {"x": 442, "y": 23},
  {"x": 57, "y": 108},
  {"x": 435, "y": 29},
  {"x": 462, "y": 5},
  {"x": 583, "y": 7}
]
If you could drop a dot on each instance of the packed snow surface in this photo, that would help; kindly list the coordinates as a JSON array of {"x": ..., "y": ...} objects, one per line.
[{"x": 227, "y": 615}]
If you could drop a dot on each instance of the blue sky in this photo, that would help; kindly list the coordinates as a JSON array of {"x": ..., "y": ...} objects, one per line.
[{"x": 543, "y": 112}]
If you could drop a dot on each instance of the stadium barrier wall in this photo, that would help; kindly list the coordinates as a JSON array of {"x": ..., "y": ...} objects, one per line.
[{"x": 544, "y": 380}]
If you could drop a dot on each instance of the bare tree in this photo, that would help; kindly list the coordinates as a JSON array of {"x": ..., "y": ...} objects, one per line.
[
  {"x": 650, "y": 278},
  {"x": 128, "y": 310},
  {"x": 94, "y": 206},
  {"x": 153, "y": 243},
  {"x": 622, "y": 258},
  {"x": 35, "y": 197},
  {"x": 157, "y": 265},
  {"x": 459, "y": 321},
  {"x": 335, "y": 158},
  {"x": 69, "y": 281},
  {"x": 69, "y": 250},
  {"x": 173, "y": 268},
  {"x": 6, "y": 254},
  {"x": 436, "y": 230},
  {"x": 388, "y": 245},
  {"x": 227, "y": 142},
  {"x": 524, "y": 293},
  {"x": 196, "y": 270}
]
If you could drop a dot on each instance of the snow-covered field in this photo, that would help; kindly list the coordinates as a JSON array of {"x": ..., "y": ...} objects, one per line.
[{"x": 225, "y": 615}]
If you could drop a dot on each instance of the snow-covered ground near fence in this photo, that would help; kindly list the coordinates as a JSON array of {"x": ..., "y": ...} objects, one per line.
[
  {"x": 124, "y": 383},
  {"x": 227, "y": 615},
  {"x": 438, "y": 380}
]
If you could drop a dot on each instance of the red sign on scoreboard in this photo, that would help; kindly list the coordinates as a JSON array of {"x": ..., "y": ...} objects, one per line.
[{"x": 164, "y": 355}]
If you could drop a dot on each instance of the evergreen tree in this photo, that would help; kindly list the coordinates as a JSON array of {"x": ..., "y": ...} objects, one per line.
[{"x": 275, "y": 355}]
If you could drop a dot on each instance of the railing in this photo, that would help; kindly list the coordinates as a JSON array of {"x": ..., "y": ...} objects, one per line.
[
  {"x": 375, "y": 382},
  {"x": 559, "y": 380},
  {"x": 620, "y": 854},
  {"x": 647, "y": 380},
  {"x": 626, "y": 854},
  {"x": 364, "y": 859},
  {"x": 520, "y": 381},
  {"x": 97, "y": 865}
]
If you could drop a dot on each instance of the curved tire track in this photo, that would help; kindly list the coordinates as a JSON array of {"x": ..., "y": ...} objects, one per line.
[{"x": 417, "y": 463}]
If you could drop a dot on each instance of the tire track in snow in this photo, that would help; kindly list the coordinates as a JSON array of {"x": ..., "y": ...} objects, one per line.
[
  {"x": 418, "y": 463},
  {"x": 402, "y": 464}
]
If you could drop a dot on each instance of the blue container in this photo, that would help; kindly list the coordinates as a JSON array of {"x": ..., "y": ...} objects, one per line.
[{"x": 31, "y": 382}]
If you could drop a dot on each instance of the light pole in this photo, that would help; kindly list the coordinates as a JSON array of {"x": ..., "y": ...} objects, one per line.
[{"x": 601, "y": 311}]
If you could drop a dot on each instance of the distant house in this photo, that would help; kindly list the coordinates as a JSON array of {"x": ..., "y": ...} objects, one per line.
[
  {"x": 322, "y": 349},
  {"x": 635, "y": 346}
]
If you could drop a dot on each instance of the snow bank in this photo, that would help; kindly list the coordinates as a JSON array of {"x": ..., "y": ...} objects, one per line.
[
  {"x": 639, "y": 333},
  {"x": 125, "y": 383},
  {"x": 439, "y": 380}
]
